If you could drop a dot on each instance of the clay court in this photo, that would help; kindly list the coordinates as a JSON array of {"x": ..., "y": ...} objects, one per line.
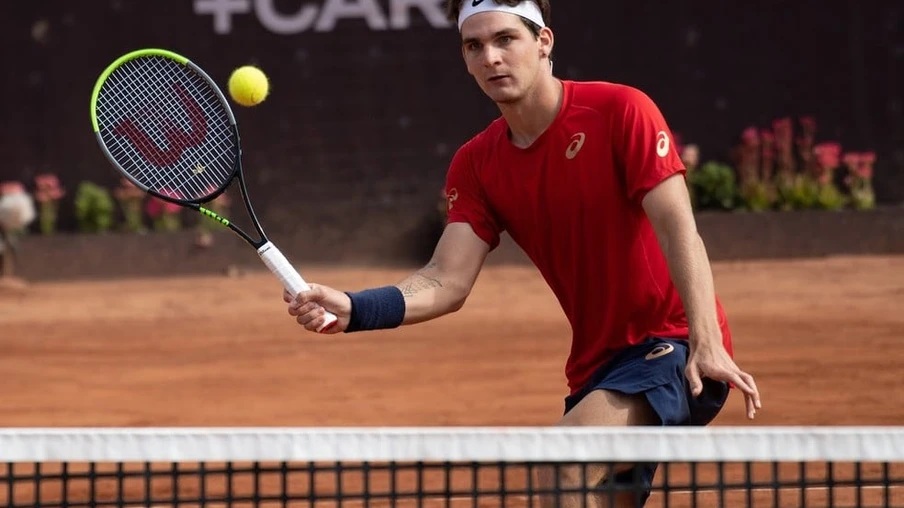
[{"x": 821, "y": 336}]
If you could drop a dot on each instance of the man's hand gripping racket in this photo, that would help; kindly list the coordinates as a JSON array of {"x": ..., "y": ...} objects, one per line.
[{"x": 165, "y": 124}]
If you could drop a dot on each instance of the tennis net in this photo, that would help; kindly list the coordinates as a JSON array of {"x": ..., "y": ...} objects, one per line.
[{"x": 446, "y": 467}]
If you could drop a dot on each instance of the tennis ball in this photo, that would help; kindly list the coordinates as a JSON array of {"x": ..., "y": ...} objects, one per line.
[{"x": 248, "y": 85}]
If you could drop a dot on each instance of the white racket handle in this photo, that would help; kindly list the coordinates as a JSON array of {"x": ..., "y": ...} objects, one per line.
[{"x": 290, "y": 278}]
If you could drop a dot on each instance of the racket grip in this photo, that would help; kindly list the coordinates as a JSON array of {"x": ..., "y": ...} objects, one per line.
[{"x": 289, "y": 276}]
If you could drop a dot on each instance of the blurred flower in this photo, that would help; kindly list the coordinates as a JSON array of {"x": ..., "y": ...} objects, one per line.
[
  {"x": 750, "y": 136},
  {"x": 808, "y": 125},
  {"x": 17, "y": 209},
  {"x": 690, "y": 155},
  {"x": 47, "y": 188},
  {"x": 828, "y": 158},
  {"x": 157, "y": 207},
  {"x": 127, "y": 190}
]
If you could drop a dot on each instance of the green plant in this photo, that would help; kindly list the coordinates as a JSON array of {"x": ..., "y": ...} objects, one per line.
[
  {"x": 859, "y": 180},
  {"x": 829, "y": 197},
  {"x": 754, "y": 159},
  {"x": 757, "y": 195},
  {"x": 797, "y": 192},
  {"x": 93, "y": 208},
  {"x": 713, "y": 186},
  {"x": 165, "y": 216},
  {"x": 130, "y": 199}
]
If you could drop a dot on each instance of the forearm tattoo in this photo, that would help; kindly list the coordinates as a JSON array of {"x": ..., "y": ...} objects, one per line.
[{"x": 419, "y": 281}]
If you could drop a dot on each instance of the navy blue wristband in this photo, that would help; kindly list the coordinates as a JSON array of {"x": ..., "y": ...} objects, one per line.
[{"x": 376, "y": 309}]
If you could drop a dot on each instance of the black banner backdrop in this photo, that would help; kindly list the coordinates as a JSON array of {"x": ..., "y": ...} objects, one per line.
[{"x": 370, "y": 98}]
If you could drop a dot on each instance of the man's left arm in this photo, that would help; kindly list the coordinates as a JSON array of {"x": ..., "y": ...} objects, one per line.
[{"x": 668, "y": 207}]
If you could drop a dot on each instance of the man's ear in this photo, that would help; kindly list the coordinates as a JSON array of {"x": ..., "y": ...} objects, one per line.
[{"x": 547, "y": 40}]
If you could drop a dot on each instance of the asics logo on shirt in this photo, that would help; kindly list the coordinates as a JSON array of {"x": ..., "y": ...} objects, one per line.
[
  {"x": 659, "y": 351},
  {"x": 475, "y": 3},
  {"x": 662, "y": 144},
  {"x": 577, "y": 141},
  {"x": 451, "y": 196}
]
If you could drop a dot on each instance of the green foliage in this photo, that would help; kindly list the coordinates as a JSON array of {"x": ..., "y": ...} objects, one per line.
[
  {"x": 863, "y": 199},
  {"x": 784, "y": 166},
  {"x": 757, "y": 195},
  {"x": 94, "y": 208},
  {"x": 862, "y": 196},
  {"x": 798, "y": 192},
  {"x": 131, "y": 210},
  {"x": 168, "y": 221},
  {"x": 47, "y": 216},
  {"x": 713, "y": 186},
  {"x": 830, "y": 197}
]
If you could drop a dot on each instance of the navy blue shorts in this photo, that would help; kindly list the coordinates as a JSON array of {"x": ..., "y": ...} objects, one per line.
[{"x": 655, "y": 368}]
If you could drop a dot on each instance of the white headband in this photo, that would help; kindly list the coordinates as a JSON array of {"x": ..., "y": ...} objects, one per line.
[{"x": 526, "y": 9}]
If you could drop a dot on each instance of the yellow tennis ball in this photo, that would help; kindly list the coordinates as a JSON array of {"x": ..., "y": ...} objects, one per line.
[{"x": 248, "y": 85}]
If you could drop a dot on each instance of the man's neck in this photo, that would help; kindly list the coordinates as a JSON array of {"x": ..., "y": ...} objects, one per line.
[{"x": 531, "y": 116}]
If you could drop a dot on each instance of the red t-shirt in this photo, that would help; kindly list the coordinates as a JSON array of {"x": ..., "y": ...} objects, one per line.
[{"x": 572, "y": 202}]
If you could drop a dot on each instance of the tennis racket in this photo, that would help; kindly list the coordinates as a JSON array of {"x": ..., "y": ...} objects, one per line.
[{"x": 164, "y": 123}]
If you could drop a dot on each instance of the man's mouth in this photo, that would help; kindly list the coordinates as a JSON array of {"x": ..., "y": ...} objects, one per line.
[{"x": 497, "y": 78}]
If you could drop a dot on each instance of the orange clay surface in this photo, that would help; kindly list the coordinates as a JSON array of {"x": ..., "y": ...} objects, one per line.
[{"x": 823, "y": 338}]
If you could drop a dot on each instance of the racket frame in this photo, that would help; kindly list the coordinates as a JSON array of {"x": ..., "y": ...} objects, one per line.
[{"x": 268, "y": 252}]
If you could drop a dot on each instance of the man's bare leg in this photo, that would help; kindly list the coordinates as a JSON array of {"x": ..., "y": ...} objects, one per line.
[{"x": 601, "y": 408}]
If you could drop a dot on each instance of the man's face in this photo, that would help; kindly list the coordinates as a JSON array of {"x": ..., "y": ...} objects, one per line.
[{"x": 502, "y": 54}]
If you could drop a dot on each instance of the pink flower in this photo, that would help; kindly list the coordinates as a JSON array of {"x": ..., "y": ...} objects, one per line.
[
  {"x": 46, "y": 181},
  {"x": 156, "y": 207},
  {"x": 127, "y": 190},
  {"x": 808, "y": 124},
  {"x": 783, "y": 130},
  {"x": 48, "y": 188},
  {"x": 11, "y": 187},
  {"x": 851, "y": 159},
  {"x": 860, "y": 164},
  {"x": 751, "y": 136},
  {"x": 828, "y": 155}
]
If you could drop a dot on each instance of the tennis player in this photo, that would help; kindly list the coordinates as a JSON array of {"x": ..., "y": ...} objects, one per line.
[{"x": 585, "y": 178}]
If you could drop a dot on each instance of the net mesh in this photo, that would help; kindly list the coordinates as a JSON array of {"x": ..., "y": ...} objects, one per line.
[
  {"x": 167, "y": 128},
  {"x": 775, "y": 467}
]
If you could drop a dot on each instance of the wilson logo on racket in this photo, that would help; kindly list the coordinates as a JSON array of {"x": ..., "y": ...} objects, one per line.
[{"x": 177, "y": 140}]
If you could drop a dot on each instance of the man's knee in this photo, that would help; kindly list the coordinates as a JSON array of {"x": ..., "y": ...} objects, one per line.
[{"x": 588, "y": 485}]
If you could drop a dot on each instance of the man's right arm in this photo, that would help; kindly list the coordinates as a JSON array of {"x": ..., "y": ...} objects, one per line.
[
  {"x": 439, "y": 288},
  {"x": 442, "y": 286}
]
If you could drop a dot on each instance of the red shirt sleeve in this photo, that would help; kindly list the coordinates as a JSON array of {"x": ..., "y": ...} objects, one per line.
[
  {"x": 646, "y": 145},
  {"x": 466, "y": 200}
]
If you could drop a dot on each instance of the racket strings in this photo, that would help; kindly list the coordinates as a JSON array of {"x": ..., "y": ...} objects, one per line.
[
  {"x": 167, "y": 128},
  {"x": 209, "y": 102},
  {"x": 156, "y": 180}
]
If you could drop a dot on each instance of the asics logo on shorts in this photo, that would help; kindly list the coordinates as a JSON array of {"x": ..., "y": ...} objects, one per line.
[
  {"x": 659, "y": 351},
  {"x": 577, "y": 141}
]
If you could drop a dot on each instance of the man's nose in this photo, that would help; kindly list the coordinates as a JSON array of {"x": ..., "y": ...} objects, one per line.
[{"x": 491, "y": 56}]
